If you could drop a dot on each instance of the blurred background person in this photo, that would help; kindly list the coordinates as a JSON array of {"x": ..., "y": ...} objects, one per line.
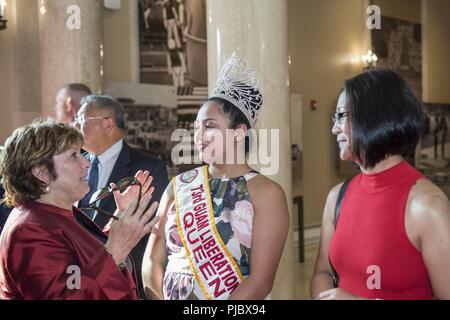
[
  {"x": 48, "y": 248},
  {"x": 68, "y": 101}
]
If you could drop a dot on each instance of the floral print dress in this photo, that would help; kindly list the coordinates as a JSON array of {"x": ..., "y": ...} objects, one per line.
[{"x": 233, "y": 212}]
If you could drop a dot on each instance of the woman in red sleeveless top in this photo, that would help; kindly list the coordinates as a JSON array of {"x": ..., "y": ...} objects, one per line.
[{"x": 392, "y": 238}]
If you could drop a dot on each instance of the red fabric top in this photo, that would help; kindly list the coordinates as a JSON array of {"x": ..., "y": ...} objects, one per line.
[
  {"x": 38, "y": 246},
  {"x": 370, "y": 250}
]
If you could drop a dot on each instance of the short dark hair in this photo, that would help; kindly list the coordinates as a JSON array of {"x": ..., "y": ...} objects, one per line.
[
  {"x": 235, "y": 116},
  {"x": 78, "y": 87},
  {"x": 385, "y": 116},
  {"x": 109, "y": 104}
]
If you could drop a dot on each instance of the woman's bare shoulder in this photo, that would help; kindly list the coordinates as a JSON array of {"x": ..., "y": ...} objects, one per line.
[
  {"x": 334, "y": 192},
  {"x": 167, "y": 197},
  {"x": 169, "y": 189},
  {"x": 427, "y": 202},
  {"x": 261, "y": 186},
  {"x": 427, "y": 192}
]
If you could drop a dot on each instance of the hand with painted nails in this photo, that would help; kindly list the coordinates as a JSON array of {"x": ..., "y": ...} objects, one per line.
[
  {"x": 136, "y": 219},
  {"x": 125, "y": 198}
]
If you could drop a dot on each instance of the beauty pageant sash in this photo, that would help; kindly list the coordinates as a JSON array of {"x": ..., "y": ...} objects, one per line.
[{"x": 214, "y": 268}]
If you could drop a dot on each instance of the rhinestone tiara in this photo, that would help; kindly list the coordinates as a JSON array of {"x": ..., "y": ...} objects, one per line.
[{"x": 238, "y": 85}]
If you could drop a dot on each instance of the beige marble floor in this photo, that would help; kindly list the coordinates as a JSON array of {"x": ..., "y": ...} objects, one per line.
[{"x": 303, "y": 272}]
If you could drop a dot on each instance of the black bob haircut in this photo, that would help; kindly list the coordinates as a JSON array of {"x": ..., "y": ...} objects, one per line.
[
  {"x": 235, "y": 116},
  {"x": 386, "y": 117}
]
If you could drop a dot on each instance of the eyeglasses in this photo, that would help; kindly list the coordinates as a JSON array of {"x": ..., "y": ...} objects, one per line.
[
  {"x": 82, "y": 119},
  {"x": 339, "y": 117},
  {"x": 121, "y": 185}
]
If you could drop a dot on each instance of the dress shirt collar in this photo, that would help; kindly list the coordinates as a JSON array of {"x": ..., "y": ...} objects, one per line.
[{"x": 109, "y": 154}]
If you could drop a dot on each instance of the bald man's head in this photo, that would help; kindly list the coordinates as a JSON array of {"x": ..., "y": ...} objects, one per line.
[{"x": 68, "y": 101}]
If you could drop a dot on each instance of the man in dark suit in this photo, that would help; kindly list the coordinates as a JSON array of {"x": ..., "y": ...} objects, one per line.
[{"x": 101, "y": 120}]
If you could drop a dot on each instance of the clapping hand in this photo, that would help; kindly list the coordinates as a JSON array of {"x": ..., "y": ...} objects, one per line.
[
  {"x": 133, "y": 224},
  {"x": 125, "y": 198}
]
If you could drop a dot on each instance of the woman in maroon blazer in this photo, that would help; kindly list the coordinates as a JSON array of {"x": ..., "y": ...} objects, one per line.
[{"x": 48, "y": 248}]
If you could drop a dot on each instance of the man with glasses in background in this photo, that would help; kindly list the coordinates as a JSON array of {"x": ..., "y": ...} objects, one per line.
[{"x": 101, "y": 120}]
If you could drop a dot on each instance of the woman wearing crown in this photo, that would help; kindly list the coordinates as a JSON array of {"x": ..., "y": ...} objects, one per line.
[{"x": 223, "y": 226}]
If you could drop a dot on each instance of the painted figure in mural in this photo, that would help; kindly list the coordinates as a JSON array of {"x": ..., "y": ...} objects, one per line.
[
  {"x": 440, "y": 134},
  {"x": 181, "y": 18},
  {"x": 147, "y": 7},
  {"x": 173, "y": 14},
  {"x": 176, "y": 65}
]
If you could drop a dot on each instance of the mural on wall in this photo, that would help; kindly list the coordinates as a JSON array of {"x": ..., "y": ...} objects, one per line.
[
  {"x": 398, "y": 45},
  {"x": 149, "y": 127},
  {"x": 172, "y": 37},
  {"x": 173, "y": 54}
]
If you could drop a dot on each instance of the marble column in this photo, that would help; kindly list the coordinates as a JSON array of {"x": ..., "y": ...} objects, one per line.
[
  {"x": 257, "y": 30},
  {"x": 69, "y": 54},
  {"x": 7, "y": 70},
  {"x": 27, "y": 67}
]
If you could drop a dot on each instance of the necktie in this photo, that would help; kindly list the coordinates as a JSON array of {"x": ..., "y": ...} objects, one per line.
[{"x": 93, "y": 184}]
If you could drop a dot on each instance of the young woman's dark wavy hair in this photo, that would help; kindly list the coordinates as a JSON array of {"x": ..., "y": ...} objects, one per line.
[{"x": 386, "y": 117}]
